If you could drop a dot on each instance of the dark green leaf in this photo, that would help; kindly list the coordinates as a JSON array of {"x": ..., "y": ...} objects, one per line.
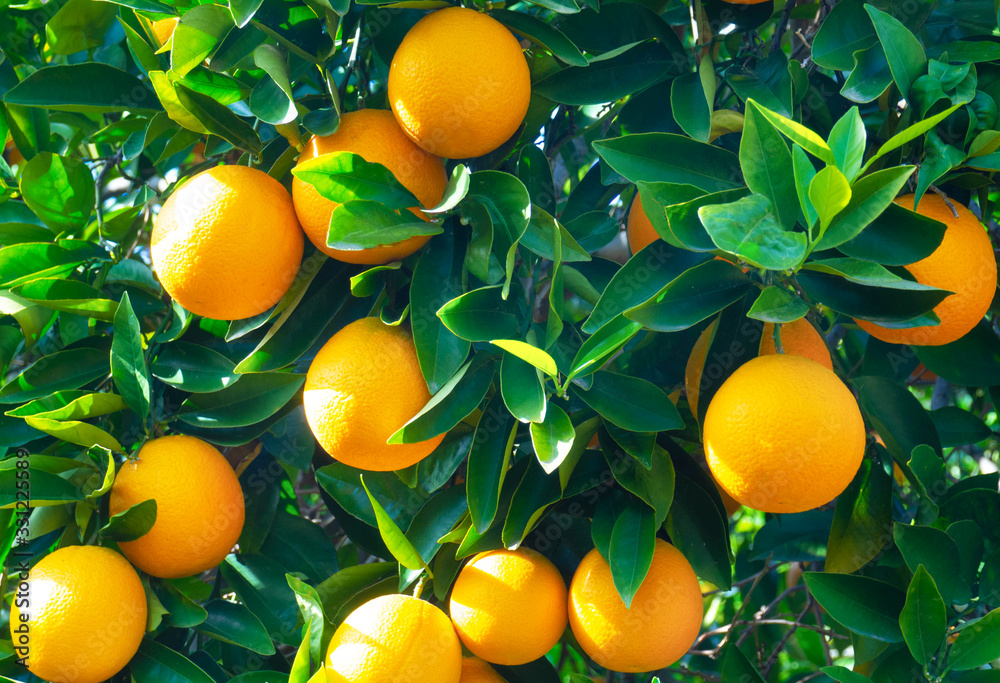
[
  {"x": 193, "y": 368},
  {"x": 903, "y": 51},
  {"x": 938, "y": 554},
  {"x": 973, "y": 360},
  {"x": 863, "y": 512},
  {"x": 488, "y": 460},
  {"x": 60, "y": 190},
  {"x": 128, "y": 362},
  {"x": 737, "y": 668},
  {"x": 777, "y": 305},
  {"x": 977, "y": 643},
  {"x": 870, "y": 196},
  {"x": 130, "y": 524},
  {"x": 665, "y": 157},
  {"x": 690, "y": 107},
  {"x": 866, "y": 606},
  {"x": 631, "y": 403},
  {"x": 215, "y": 118},
  {"x": 699, "y": 529},
  {"x": 233, "y": 623},
  {"x": 363, "y": 224},
  {"x": 923, "y": 620},
  {"x": 896, "y": 237},
  {"x": 343, "y": 177},
  {"x": 395, "y": 539},
  {"x": 254, "y": 398},
  {"x": 767, "y": 168},
  {"x": 522, "y": 389},
  {"x": 957, "y": 427},
  {"x": 631, "y": 549},
  {"x": 85, "y": 87},
  {"x": 156, "y": 662},
  {"x": 542, "y": 33},
  {"x": 69, "y": 369},
  {"x": 749, "y": 230},
  {"x": 480, "y": 315}
]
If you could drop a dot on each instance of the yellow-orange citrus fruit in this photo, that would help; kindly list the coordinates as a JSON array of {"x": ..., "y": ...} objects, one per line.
[
  {"x": 963, "y": 263},
  {"x": 164, "y": 28},
  {"x": 395, "y": 638},
  {"x": 375, "y": 136},
  {"x": 226, "y": 244},
  {"x": 639, "y": 229},
  {"x": 86, "y": 613},
  {"x": 475, "y": 670},
  {"x": 728, "y": 502},
  {"x": 363, "y": 385},
  {"x": 656, "y": 631},
  {"x": 784, "y": 434},
  {"x": 459, "y": 84},
  {"x": 509, "y": 606},
  {"x": 199, "y": 506},
  {"x": 798, "y": 338}
]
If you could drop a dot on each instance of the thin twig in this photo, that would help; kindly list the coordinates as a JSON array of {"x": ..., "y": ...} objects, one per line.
[{"x": 779, "y": 30}]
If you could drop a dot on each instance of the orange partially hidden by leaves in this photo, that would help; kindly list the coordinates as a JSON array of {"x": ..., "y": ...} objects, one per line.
[
  {"x": 639, "y": 229},
  {"x": 199, "y": 506},
  {"x": 86, "y": 615},
  {"x": 394, "y": 638},
  {"x": 363, "y": 385},
  {"x": 784, "y": 434},
  {"x": 164, "y": 28},
  {"x": 375, "y": 136},
  {"x": 661, "y": 625},
  {"x": 226, "y": 244},
  {"x": 475, "y": 670},
  {"x": 509, "y": 606},
  {"x": 798, "y": 338},
  {"x": 459, "y": 84},
  {"x": 963, "y": 263}
]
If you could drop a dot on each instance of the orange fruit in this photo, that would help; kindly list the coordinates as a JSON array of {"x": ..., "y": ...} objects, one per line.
[
  {"x": 459, "y": 84},
  {"x": 963, "y": 263},
  {"x": 655, "y": 632},
  {"x": 475, "y": 670},
  {"x": 375, "y": 136},
  {"x": 728, "y": 502},
  {"x": 84, "y": 615},
  {"x": 784, "y": 434},
  {"x": 509, "y": 606},
  {"x": 163, "y": 29},
  {"x": 199, "y": 506},
  {"x": 798, "y": 338},
  {"x": 394, "y": 638},
  {"x": 363, "y": 385},
  {"x": 226, "y": 244},
  {"x": 639, "y": 229}
]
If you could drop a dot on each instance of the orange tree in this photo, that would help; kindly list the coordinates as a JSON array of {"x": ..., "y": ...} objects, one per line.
[{"x": 604, "y": 341}]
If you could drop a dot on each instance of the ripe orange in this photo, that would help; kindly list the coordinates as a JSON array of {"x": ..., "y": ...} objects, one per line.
[
  {"x": 86, "y": 614},
  {"x": 163, "y": 29},
  {"x": 784, "y": 434},
  {"x": 728, "y": 502},
  {"x": 394, "y": 638},
  {"x": 199, "y": 506},
  {"x": 363, "y": 385},
  {"x": 798, "y": 338},
  {"x": 226, "y": 244},
  {"x": 375, "y": 136},
  {"x": 639, "y": 229},
  {"x": 661, "y": 625},
  {"x": 963, "y": 263},
  {"x": 509, "y": 606},
  {"x": 459, "y": 84},
  {"x": 477, "y": 671}
]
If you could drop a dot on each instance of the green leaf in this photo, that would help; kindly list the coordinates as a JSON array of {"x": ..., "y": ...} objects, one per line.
[
  {"x": 602, "y": 344},
  {"x": 541, "y": 33},
  {"x": 897, "y": 415},
  {"x": 866, "y": 606},
  {"x": 454, "y": 192},
  {"x": 844, "y": 675},
  {"x": 193, "y": 368},
  {"x": 272, "y": 99},
  {"x": 846, "y": 30},
  {"x": 79, "y": 25},
  {"x": 767, "y": 167},
  {"x": 631, "y": 403},
  {"x": 529, "y": 354},
  {"x": 480, "y": 315},
  {"x": 665, "y": 157},
  {"x": 253, "y": 399},
  {"x": 690, "y": 107},
  {"x": 213, "y": 118},
  {"x": 260, "y": 584},
  {"x": 777, "y": 305},
  {"x": 73, "y": 431},
  {"x": 233, "y": 623},
  {"x": 522, "y": 388},
  {"x": 697, "y": 294},
  {"x": 848, "y": 140},
  {"x": 804, "y": 172},
  {"x": 488, "y": 460},
  {"x": 631, "y": 550},
  {"x": 71, "y": 405},
  {"x": 395, "y": 540},
  {"x": 870, "y": 78},
  {"x": 971, "y": 360},
  {"x": 870, "y": 196},
  {"x": 60, "y": 190},
  {"x": 69, "y": 369},
  {"x": 653, "y": 484},
  {"x": 939, "y": 159},
  {"x": 342, "y": 177},
  {"x": 829, "y": 194},
  {"x": 736, "y": 667},
  {"x": 698, "y": 527},
  {"x": 156, "y": 662},
  {"x": 767, "y": 81},
  {"x": 748, "y": 229},
  {"x": 130, "y": 524},
  {"x": 363, "y": 224},
  {"x": 863, "y": 512},
  {"x": 796, "y": 132},
  {"x": 957, "y": 427},
  {"x": 683, "y": 226},
  {"x": 937, "y": 553},
  {"x": 128, "y": 362},
  {"x": 897, "y": 237},
  {"x": 437, "y": 278},
  {"x": 552, "y": 438},
  {"x": 454, "y": 401},
  {"x": 88, "y": 87},
  {"x": 198, "y": 34},
  {"x": 924, "y": 620},
  {"x": 534, "y": 495},
  {"x": 903, "y": 51},
  {"x": 977, "y": 643},
  {"x": 436, "y": 518},
  {"x": 69, "y": 296},
  {"x": 909, "y": 134}
]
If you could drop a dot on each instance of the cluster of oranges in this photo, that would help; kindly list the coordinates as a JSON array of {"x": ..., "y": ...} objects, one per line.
[{"x": 510, "y": 607}]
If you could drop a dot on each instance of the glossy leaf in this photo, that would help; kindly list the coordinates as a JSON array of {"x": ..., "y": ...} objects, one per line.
[
  {"x": 552, "y": 438},
  {"x": 924, "y": 619},
  {"x": 631, "y": 550},
  {"x": 664, "y": 157},
  {"x": 631, "y": 403},
  {"x": 865, "y": 606},
  {"x": 748, "y": 229}
]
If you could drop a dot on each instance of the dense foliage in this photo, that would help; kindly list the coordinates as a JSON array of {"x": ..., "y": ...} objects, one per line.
[{"x": 775, "y": 135}]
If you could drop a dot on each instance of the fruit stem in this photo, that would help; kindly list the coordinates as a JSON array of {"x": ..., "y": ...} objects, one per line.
[{"x": 419, "y": 588}]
